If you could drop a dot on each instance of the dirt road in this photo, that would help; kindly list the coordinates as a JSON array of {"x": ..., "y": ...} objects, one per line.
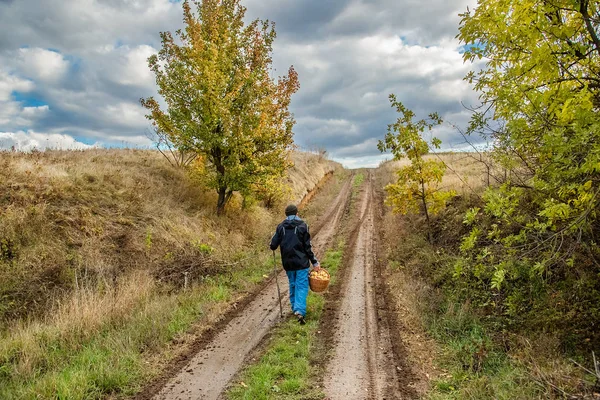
[
  {"x": 209, "y": 371},
  {"x": 363, "y": 365}
]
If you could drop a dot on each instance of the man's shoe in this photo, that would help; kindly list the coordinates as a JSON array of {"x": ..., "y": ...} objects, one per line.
[{"x": 301, "y": 319}]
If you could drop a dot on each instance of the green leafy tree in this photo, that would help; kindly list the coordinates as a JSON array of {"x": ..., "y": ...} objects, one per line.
[
  {"x": 540, "y": 89},
  {"x": 418, "y": 185},
  {"x": 221, "y": 101}
]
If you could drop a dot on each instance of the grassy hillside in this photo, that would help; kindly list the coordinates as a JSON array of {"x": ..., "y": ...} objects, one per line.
[
  {"x": 115, "y": 251},
  {"x": 480, "y": 351}
]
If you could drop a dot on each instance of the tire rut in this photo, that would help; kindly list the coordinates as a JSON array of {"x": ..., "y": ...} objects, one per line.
[
  {"x": 363, "y": 363},
  {"x": 209, "y": 371}
]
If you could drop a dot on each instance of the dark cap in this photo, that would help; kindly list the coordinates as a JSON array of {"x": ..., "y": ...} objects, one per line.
[{"x": 291, "y": 210}]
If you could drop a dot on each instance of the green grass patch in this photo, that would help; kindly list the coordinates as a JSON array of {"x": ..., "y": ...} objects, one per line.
[
  {"x": 44, "y": 361},
  {"x": 284, "y": 371},
  {"x": 477, "y": 368},
  {"x": 359, "y": 178}
]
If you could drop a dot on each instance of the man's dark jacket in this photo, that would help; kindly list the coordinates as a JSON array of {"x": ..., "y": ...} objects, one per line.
[{"x": 294, "y": 240}]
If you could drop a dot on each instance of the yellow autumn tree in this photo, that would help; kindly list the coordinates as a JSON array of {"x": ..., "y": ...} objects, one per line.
[
  {"x": 221, "y": 101},
  {"x": 418, "y": 185}
]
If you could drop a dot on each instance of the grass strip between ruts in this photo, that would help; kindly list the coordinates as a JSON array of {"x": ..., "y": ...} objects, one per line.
[
  {"x": 359, "y": 178},
  {"x": 283, "y": 371}
]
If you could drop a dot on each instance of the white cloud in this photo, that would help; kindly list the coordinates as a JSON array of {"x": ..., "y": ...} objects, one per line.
[
  {"x": 10, "y": 83},
  {"x": 135, "y": 70},
  {"x": 350, "y": 55},
  {"x": 12, "y": 113},
  {"x": 30, "y": 140},
  {"x": 128, "y": 114},
  {"x": 34, "y": 112},
  {"x": 96, "y": 72},
  {"x": 41, "y": 64},
  {"x": 423, "y": 23},
  {"x": 368, "y": 146},
  {"x": 330, "y": 128},
  {"x": 75, "y": 27},
  {"x": 8, "y": 112},
  {"x": 343, "y": 104},
  {"x": 104, "y": 139},
  {"x": 362, "y": 161},
  {"x": 125, "y": 65}
]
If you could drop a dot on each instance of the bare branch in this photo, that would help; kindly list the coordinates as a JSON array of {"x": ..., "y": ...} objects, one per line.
[{"x": 583, "y": 4}]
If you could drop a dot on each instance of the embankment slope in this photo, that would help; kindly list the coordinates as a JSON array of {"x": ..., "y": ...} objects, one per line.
[{"x": 97, "y": 214}]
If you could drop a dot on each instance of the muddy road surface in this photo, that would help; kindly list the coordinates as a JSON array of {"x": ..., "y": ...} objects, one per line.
[
  {"x": 363, "y": 363},
  {"x": 209, "y": 371}
]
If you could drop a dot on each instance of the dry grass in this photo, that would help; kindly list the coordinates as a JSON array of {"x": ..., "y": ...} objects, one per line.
[
  {"x": 466, "y": 173},
  {"x": 100, "y": 213},
  {"x": 75, "y": 320},
  {"x": 544, "y": 359},
  {"x": 421, "y": 349},
  {"x": 309, "y": 168}
]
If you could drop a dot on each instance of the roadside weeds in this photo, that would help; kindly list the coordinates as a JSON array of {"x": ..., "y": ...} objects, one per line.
[
  {"x": 457, "y": 353},
  {"x": 94, "y": 355}
]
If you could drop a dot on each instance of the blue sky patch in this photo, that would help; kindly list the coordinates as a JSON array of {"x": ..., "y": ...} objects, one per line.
[
  {"x": 28, "y": 101},
  {"x": 83, "y": 139},
  {"x": 464, "y": 48}
]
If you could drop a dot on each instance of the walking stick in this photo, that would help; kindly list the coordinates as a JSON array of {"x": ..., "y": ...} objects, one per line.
[{"x": 277, "y": 282}]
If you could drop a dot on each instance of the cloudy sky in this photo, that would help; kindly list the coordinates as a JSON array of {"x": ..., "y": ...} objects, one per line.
[{"x": 72, "y": 71}]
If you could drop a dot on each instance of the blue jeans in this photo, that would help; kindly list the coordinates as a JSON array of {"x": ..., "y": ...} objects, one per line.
[{"x": 298, "y": 290}]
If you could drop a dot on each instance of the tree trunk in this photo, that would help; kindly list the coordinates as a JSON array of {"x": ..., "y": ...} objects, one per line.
[
  {"x": 217, "y": 159},
  {"x": 224, "y": 197},
  {"x": 222, "y": 191}
]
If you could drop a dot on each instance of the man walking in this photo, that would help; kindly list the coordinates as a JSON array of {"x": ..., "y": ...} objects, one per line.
[{"x": 293, "y": 238}]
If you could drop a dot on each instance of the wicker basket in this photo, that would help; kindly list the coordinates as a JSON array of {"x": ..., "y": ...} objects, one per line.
[{"x": 318, "y": 284}]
